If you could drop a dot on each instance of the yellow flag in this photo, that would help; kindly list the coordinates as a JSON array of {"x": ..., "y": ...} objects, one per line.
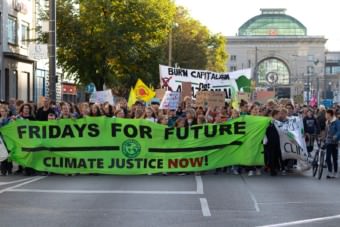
[
  {"x": 132, "y": 98},
  {"x": 143, "y": 92}
]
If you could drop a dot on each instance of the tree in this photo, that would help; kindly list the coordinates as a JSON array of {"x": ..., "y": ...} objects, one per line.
[
  {"x": 112, "y": 42},
  {"x": 194, "y": 46}
]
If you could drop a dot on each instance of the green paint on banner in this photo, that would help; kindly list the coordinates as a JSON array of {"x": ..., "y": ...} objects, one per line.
[{"x": 127, "y": 147}]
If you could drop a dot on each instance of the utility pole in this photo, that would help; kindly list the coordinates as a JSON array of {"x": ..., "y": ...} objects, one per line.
[
  {"x": 52, "y": 42},
  {"x": 170, "y": 48}
]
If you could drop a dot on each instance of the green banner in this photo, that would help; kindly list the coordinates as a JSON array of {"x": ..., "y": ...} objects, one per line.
[{"x": 125, "y": 146}]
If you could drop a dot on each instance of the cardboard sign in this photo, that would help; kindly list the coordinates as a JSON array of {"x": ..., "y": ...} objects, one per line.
[
  {"x": 243, "y": 96},
  {"x": 202, "y": 99},
  {"x": 216, "y": 99},
  {"x": 263, "y": 96},
  {"x": 170, "y": 100},
  {"x": 160, "y": 93},
  {"x": 186, "y": 90},
  {"x": 210, "y": 99}
]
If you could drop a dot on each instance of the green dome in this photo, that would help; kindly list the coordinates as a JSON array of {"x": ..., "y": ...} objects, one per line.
[{"x": 273, "y": 22}]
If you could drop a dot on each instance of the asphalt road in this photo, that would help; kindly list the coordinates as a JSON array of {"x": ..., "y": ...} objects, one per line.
[{"x": 160, "y": 201}]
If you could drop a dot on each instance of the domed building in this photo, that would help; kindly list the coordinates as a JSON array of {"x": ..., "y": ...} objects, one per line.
[{"x": 282, "y": 56}]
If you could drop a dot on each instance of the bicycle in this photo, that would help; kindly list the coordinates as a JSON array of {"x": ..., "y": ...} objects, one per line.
[{"x": 319, "y": 159}]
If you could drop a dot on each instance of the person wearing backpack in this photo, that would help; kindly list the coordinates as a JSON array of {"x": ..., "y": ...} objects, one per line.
[{"x": 332, "y": 140}]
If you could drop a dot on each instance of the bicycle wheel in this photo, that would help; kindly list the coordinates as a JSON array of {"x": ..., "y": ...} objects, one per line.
[
  {"x": 315, "y": 163},
  {"x": 321, "y": 162}
]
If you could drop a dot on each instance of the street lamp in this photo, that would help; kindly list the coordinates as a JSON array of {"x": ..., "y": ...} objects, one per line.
[
  {"x": 52, "y": 50},
  {"x": 174, "y": 25}
]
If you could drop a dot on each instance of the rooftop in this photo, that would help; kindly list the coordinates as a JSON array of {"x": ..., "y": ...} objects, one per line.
[{"x": 273, "y": 22}]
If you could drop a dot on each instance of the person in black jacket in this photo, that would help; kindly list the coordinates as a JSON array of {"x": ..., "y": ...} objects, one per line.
[
  {"x": 272, "y": 149},
  {"x": 44, "y": 111},
  {"x": 311, "y": 128}
]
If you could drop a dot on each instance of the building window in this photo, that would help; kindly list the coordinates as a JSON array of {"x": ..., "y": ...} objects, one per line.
[
  {"x": 273, "y": 71},
  {"x": 310, "y": 70},
  {"x": 249, "y": 63},
  {"x": 336, "y": 70},
  {"x": 24, "y": 34},
  {"x": 310, "y": 58},
  {"x": 12, "y": 30},
  {"x": 233, "y": 58},
  {"x": 232, "y": 68}
]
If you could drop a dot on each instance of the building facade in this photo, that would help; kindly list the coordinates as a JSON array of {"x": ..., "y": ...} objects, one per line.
[
  {"x": 332, "y": 76},
  {"x": 282, "y": 56},
  {"x": 16, "y": 67}
]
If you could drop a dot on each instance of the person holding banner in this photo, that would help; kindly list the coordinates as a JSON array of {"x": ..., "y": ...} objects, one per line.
[
  {"x": 6, "y": 166},
  {"x": 332, "y": 141},
  {"x": 272, "y": 149}
]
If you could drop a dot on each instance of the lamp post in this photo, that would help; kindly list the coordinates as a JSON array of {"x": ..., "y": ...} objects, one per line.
[
  {"x": 52, "y": 50},
  {"x": 174, "y": 25}
]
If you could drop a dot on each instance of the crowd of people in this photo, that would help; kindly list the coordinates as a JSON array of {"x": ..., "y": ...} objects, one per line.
[{"x": 317, "y": 121}]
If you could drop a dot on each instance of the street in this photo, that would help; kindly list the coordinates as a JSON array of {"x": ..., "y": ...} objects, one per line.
[{"x": 208, "y": 200}]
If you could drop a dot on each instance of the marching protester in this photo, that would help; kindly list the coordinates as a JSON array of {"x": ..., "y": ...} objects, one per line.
[
  {"x": 272, "y": 149},
  {"x": 332, "y": 141},
  {"x": 188, "y": 115},
  {"x": 44, "y": 111},
  {"x": 311, "y": 127},
  {"x": 6, "y": 165}
]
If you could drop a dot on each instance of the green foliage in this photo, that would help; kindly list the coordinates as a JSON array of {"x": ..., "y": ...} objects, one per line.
[
  {"x": 194, "y": 46},
  {"x": 118, "y": 41},
  {"x": 112, "y": 42}
]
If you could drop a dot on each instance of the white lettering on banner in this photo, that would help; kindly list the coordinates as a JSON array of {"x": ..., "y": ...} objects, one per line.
[
  {"x": 102, "y": 97},
  {"x": 292, "y": 143},
  {"x": 172, "y": 79},
  {"x": 170, "y": 100}
]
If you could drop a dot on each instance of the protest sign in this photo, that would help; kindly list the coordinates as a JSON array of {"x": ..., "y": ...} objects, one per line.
[
  {"x": 160, "y": 93},
  {"x": 210, "y": 99},
  {"x": 172, "y": 79},
  {"x": 298, "y": 99},
  {"x": 202, "y": 99},
  {"x": 102, "y": 97},
  {"x": 292, "y": 142},
  {"x": 186, "y": 90},
  {"x": 216, "y": 99},
  {"x": 126, "y": 146},
  {"x": 170, "y": 100},
  {"x": 264, "y": 96},
  {"x": 243, "y": 96}
]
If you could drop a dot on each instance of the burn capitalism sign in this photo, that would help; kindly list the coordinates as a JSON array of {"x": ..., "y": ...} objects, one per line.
[
  {"x": 201, "y": 80},
  {"x": 127, "y": 147}
]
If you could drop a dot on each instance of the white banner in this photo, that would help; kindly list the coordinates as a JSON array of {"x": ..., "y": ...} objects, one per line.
[
  {"x": 102, "y": 97},
  {"x": 172, "y": 78},
  {"x": 292, "y": 142},
  {"x": 170, "y": 100},
  {"x": 3, "y": 151}
]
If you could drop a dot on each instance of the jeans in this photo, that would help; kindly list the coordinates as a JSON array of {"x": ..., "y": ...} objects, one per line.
[{"x": 332, "y": 153}]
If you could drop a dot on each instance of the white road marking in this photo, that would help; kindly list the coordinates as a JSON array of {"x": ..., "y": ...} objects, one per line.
[
  {"x": 22, "y": 184},
  {"x": 104, "y": 191},
  {"x": 15, "y": 181},
  {"x": 251, "y": 194},
  {"x": 306, "y": 221},
  {"x": 198, "y": 179},
  {"x": 205, "y": 207},
  {"x": 199, "y": 185}
]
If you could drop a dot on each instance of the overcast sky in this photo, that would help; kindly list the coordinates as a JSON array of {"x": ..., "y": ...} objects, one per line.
[{"x": 226, "y": 16}]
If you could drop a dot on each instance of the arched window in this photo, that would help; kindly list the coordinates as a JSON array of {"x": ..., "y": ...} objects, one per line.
[{"x": 273, "y": 71}]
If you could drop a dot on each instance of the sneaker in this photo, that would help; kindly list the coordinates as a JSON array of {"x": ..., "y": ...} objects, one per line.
[
  {"x": 283, "y": 172},
  {"x": 235, "y": 172},
  {"x": 251, "y": 173},
  {"x": 335, "y": 175},
  {"x": 258, "y": 172},
  {"x": 330, "y": 175}
]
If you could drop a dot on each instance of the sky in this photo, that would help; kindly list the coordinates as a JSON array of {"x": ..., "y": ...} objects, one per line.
[{"x": 321, "y": 18}]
